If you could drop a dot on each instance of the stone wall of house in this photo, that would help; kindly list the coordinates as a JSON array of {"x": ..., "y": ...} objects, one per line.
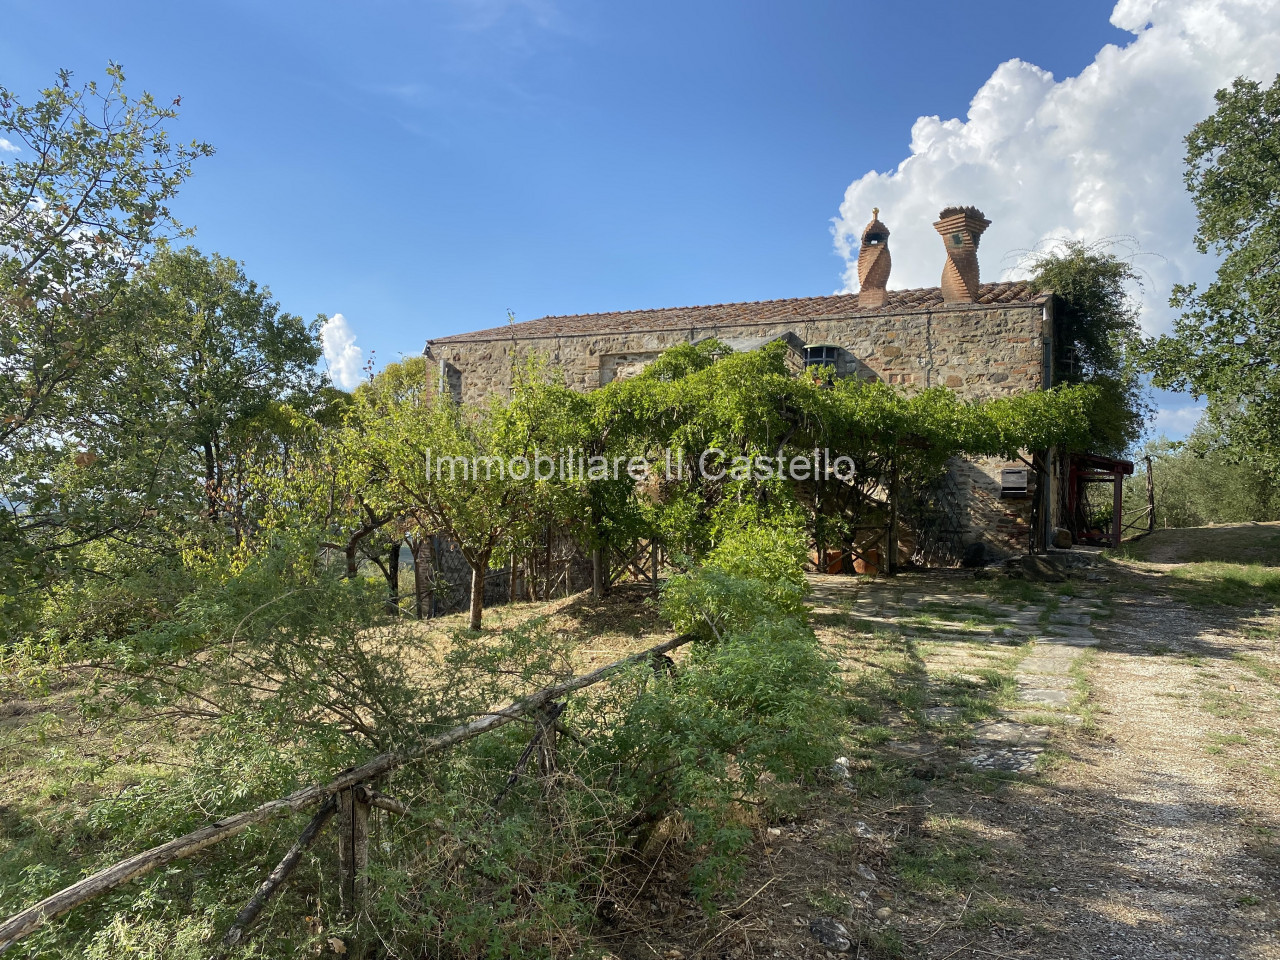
[
  {"x": 978, "y": 351},
  {"x": 1003, "y": 525}
]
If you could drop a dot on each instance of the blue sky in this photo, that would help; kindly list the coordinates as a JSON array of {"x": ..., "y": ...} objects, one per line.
[{"x": 423, "y": 168}]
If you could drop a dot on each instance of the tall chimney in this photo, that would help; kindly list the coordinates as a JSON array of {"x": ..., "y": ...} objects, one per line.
[
  {"x": 961, "y": 229},
  {"x": 873, "y": 263}
]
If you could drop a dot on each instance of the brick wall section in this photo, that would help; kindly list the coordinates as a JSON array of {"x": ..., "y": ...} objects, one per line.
[{"x": 978, "y": 350}]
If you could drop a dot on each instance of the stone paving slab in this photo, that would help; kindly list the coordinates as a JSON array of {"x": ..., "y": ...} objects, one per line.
[
  {"x": 1069, "y": 641},
  {"x": 1009, "y": 733},
  {"x": 1044, "y": 668},
  {"x": 1043, "y": 681},
  {"x": 1043, "y": 696},
  {"x": 1029, "y": 713},
  {"x": 1067, "y": 630}
]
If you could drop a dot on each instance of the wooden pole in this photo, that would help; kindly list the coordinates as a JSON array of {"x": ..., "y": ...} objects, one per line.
[
  {"x": 547, "y": 762},
  {"x": 359, "y": 848},
  {"x": 353, "y": 848},
  {"x": 597, "y": 573},
  {"x": 246, "y": 917},
  {"x": 892, "y": 551},
  {"x": 117, "y": 875},
  {"x": 1151, "y": 498},
  {"x": 1117, "y": 505}
]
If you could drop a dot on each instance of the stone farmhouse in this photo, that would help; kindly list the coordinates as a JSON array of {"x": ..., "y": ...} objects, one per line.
[{"x": 979, "y": 339}]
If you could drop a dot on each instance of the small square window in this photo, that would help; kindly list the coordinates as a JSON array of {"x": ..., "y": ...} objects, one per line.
[{"x": 821, "y": 355}]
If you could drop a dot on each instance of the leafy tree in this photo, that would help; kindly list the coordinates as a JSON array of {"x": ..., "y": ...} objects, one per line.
[
  {"x": 216, "y": 357},
  {"x": 1226, "y": 344},
  {"x": 449, "y": 466},
  {"x": 1095, "y": 332},
  {"x": 210, "y": 378},
  {"x": 81, "y": 204}
]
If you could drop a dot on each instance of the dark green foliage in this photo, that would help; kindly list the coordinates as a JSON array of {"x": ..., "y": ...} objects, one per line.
[
  {"x": 216, "y": 359},
  {"x": 85, "y": 198},
  {"x": 703, "y": 405},
  {"x": 1226, "y": 344},
  {"x": 1095, "y": 331}
]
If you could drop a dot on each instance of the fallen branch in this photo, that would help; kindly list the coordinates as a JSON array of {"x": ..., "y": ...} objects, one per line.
[
  {"x": 275, "y": 880},
  {"x": 25, "y": 921},
  {"x": 553, "y": 711},
  {"x": 383, "y": 802}
]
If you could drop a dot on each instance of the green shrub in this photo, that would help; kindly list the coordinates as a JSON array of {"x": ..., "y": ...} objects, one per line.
[{"x": 304, "y": 678}]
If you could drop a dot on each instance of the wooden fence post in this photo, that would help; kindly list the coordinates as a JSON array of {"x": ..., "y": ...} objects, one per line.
[
  {"x": 599, "y": 573},
  {"x": 891, "y": 559},
  {"x": 1117, "y": 506},
  {"x": 353, "y": 847},
  {"x": 546, "y": 720},
  {"x": 1151, "y": 498}
]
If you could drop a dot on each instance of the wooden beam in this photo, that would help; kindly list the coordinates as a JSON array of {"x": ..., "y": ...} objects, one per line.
[
  {"x": 1117, "y": 504},
  {"x": 383, "y": 802},
  {"x": 1151, "y": 498},
  {"x": 275, "y": 880}
]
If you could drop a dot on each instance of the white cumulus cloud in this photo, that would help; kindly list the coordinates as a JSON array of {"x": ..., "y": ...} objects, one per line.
[
  {"x": 1092, "y": 156},
  {"x": 340, "y": 351},
  {"x": 1176, "y": 422},
  {"x": 7, "y": 147}
]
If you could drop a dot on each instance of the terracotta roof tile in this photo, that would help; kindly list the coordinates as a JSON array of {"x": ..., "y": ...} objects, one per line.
[{"x": 743, "y": 314}]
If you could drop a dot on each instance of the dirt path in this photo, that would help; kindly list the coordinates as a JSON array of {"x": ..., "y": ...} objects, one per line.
[
  {"x": 1036, "y": 772},
  {"x": 1160, "y": 832}
]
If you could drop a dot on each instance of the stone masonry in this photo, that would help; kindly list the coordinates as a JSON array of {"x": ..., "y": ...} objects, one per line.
[{"x": 980, "y": 340}]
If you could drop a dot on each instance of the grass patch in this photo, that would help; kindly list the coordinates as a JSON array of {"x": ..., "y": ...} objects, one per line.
[
  {"x": 880, "y": 944},
  {"x": 992, "y": 915},
  {"x": 1257, "y": 666},
  {"x": 943, "y": 859},
  {"x": 1083, "y": 702},
  {"x": 1227, "y": 739},
  {"x": 1225, "y": 705},
  {"x": 1255, "y": 543},
  {"x": 1215, "y": 584},
  {"x": 826, "y": 902},
  {"x": 971, "y": 612}
]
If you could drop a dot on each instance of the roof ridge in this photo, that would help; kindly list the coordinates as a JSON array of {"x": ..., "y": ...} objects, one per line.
[
  {"x": 692, "y": 306},
  {"x": 910, "y": 298}
]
